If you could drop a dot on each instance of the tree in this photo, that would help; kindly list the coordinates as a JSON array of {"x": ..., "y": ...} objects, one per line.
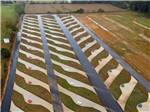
[{"x": 5, "y": 53}]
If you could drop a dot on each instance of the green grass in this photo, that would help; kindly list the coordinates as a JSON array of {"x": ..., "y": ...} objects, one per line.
[
  {"x": 31, "y": 38},
  {"x": 87, "y": 41},
  {"x": 18, "y": 100},
  {"x": 122, "y": 78},
  {"x": 66, "y": 62},
  {"x": 34, "y": 73},
  {"x": 73, "y": 106},
  {"x": 88, "y": 52},
  {"x": 73, "y": 75},
  {"x": 112, "y": 64},
  {"x": 79, "y": 90},
  {"x": 61, "y": 52},
  {"x": 139, "y": 95},
  {"x": 34, "y": 89},
  {"x": 59, "y": 45},
  {"x": 36, "y": 62},
  {"x": 37, "y": 53},
  {"x": 32, "y": 44},
  {"x": 100, "y": 56}
]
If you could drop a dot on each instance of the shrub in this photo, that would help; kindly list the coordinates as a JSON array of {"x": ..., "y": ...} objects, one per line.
[
  {"x": 100, "y": 10},
  {"x": 5, "y": 53},
  {"x": 79, "y": 10}
]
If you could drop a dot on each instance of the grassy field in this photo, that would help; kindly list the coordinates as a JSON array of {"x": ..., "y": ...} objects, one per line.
[
  {"x": 8, "y": 19},
  {"x": 125, "y": 32}
]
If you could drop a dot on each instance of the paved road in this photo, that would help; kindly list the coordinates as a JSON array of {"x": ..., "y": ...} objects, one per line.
[
  {"x": 5, "y": 107},
  {"x": 101, "y": 90},
  {"x": 125, "y": 65},
  {"x": 52, "y": 77}
]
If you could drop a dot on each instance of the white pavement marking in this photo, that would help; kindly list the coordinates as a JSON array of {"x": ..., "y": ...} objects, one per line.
[
  {"x": 32, "y": 66},
  {"x": 58, "y": 42},
  {"x": 126, "y": 90},
  {"x": 113, "y": 73},
  {"x": 31, "y": 35},
  {"x": 48, "y": 19},
  {"x": 31, "y": 47},
  {"x": 29, "y": 18},
  {"x": 32, "y": 27},
  {"x": 83, "y": 39},
  {"x": 52, "y": 28},
  {"x": 51, "y": 24},
  {"x": 88, "y": 45},
  {"x": 55, "y": 36},
  {"x": 101, "y": 26},
  {"x": 145, "y": 106},
  {"x": 97, "y": 24},
  {"x": 66, "y": 20},
  {"x": 102, "y": 63},
  {"x": 31, "y": 41},
  {"x": 32, "y": 56},
  {"x": 144, "y": 37},
  {"x": 61, "y": 49},
  {"x": 69, "y": 23},
  {"x": 14, "y": 108},
  {"x": 65, "y": 17},
  {"x": 75, "y": 82},
  {"x": 34, "y": 81},
  {"x": 75, "y": 29},
  {"x": 69, "y": 68},
  {"x": 31, "y": 21},
  {"x": 35, "y": 99},
  {"x": 32, "y": 24},
  {"x": 143, "y": 26},
  {"x": 120, "y": 25},
  {"x": 71, "y": 26},
  {"x": 53, "y": 31},
  {"x": 63, "y": 57},
  {"x": 95, "y": 53},
  {"x": 79, "y": 100},
  {"x": 31, "y": 30},
  {"x": 79, "y": 33}
]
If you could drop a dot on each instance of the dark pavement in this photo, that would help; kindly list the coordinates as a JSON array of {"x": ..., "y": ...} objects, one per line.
[{"x": 56, "y": 102}]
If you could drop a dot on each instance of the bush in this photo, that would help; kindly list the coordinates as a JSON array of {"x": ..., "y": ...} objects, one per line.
[
  {"x": 100, "y": 10},
  {"x": 79, "y": 10},
  {"x": 5, "y": 53}
]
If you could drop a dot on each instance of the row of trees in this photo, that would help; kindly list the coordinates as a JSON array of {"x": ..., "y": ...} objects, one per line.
[{"x": 140, "y": 6}]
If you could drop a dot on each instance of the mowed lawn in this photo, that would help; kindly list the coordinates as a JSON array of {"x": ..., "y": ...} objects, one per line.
[{"x": 125, "y": 32}]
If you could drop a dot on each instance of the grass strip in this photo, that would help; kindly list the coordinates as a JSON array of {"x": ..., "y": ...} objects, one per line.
[
  {"x": 112, "y": 64},
  {"x": 139, "y": 95},
  {"x": 122, "y": 78},
  {"x": 100, "y": 56},
  {"x": 73, "y": 106},
  {"x": 35, "y": 52},
  {"x": 79, "y": 90},
  {"x": 73, "y": 75},
  {"x": 34, "y": 73},
  {"x": 18, "y": 100},
  {"x": 66, "y": 62},
  {"x": 32, "y": 61},
  {"x": 34, "y": 89}
]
